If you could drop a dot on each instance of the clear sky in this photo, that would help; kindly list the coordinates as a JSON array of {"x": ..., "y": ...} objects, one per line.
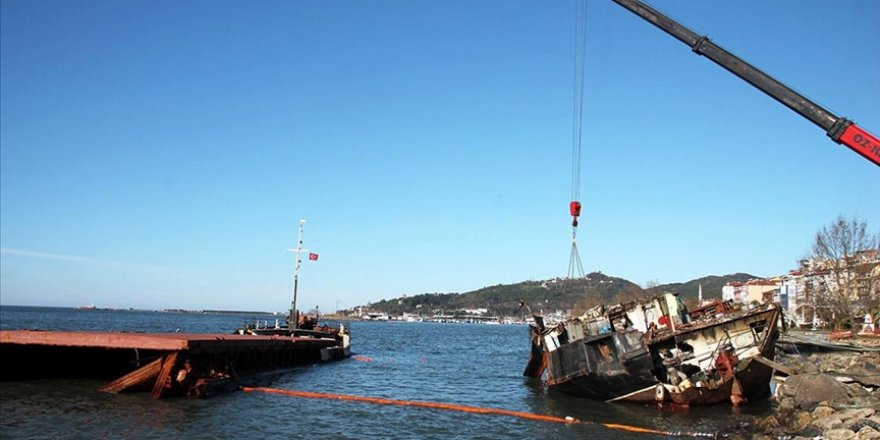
[{"x": 159, "y": 154}]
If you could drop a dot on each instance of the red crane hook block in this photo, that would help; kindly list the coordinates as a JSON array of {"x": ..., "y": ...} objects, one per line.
[{"x": 575, "y": 208}]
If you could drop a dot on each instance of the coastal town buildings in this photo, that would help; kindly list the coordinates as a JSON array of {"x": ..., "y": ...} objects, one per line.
[
  {"x": 749, "y": 292},
  {"x": 818, "y": 291}
]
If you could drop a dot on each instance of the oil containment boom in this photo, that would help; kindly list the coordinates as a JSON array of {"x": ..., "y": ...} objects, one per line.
[{"x": 839, "y": 129}]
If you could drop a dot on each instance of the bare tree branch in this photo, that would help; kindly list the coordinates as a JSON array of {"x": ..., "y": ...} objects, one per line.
[{"x": 844, "y": 269}]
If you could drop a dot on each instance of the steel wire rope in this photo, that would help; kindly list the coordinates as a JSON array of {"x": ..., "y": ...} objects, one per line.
[
  {"x": 575, "y": 268},
  {"x": 580, "y": 50}
]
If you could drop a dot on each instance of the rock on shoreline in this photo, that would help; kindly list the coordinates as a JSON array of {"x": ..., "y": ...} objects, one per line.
[{"x": 833, "y": 396}]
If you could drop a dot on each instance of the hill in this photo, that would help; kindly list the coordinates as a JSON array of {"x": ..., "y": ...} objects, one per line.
[
  {"x": 550, "y": 295},
  {"x": 712, "y": 285},
  {"x": 503, "y": 299}
]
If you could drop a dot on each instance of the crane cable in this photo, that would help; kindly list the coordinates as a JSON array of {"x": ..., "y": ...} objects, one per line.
[{"x": 575, "y": 269}]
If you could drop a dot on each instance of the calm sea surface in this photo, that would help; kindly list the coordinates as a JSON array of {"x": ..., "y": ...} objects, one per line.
[{"x": 466, "y": 364}]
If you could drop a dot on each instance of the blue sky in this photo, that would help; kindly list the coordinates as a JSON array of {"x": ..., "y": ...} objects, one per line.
[{"x": 160, "y": 154}]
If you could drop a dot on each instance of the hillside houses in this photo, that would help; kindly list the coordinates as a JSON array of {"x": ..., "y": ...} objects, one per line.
[
  {"x": 747, "y": 292},
  {"x": 818, "y": 291}
]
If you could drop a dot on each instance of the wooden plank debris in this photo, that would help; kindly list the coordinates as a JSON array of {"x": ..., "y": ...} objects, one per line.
[
  {"x": 136, "y": 378},
  {"x": 775, "y": 365},
  {"x": 168, "y": 363}
]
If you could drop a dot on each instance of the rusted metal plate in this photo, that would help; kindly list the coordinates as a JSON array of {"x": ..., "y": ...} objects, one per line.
[
  {"x": 143, "y": 341},
  {"x": 152, "y": 341},
  {"x": 211, "y": 343}
]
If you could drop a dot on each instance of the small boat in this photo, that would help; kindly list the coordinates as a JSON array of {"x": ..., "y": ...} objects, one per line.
[
  {"x": 657, "y": 352},
  {"x": 304, "y": 326},
  {"x": 308, "y": 327}
]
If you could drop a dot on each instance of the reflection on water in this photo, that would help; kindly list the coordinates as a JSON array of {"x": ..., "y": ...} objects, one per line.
[{"x": 465, "y": 364}]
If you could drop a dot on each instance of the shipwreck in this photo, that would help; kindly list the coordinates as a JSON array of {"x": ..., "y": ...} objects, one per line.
[{"x": 658, "y": 352}]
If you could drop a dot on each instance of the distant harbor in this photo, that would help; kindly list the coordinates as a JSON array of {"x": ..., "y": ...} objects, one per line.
[
  {"x": 92, "y": 307},
  {"x": 453, "y": 318}
]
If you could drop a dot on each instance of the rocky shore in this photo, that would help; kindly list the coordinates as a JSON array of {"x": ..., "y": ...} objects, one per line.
[{"x": 832, "y": 396}]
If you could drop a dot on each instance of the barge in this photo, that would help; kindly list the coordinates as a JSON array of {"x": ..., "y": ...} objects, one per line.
[
  {"x": 175, "y": 364},
  {"x": 163, "y": 364}
]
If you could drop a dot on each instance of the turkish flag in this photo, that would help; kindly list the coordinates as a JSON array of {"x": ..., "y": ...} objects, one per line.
[{"x": 313, "y": 257}]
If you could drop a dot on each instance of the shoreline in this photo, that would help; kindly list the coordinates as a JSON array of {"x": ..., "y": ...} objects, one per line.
[{"x": 828, "y": 395}]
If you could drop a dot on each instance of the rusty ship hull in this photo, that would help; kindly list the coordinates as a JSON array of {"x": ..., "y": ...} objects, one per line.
[{"x": 630, "y": 353}]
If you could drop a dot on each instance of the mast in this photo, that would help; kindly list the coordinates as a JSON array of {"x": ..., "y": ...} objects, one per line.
[{"x": 294, "y": 314}]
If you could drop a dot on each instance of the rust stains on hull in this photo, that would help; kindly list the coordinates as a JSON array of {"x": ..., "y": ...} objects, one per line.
[
  {"x": 657, "y": 352},
  {"x": 166, "y": 364}
]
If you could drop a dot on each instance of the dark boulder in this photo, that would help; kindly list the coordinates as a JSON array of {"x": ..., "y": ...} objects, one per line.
[{"x": 807, "y": 390}]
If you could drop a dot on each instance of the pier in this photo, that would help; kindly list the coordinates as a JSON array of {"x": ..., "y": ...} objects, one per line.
[{"x": 165, "y": 364}]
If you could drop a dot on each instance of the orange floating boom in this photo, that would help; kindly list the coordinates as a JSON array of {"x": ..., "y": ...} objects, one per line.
[{"x": 464, "y": 408}]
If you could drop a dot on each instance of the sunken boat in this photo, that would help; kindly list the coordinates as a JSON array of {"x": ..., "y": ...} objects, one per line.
[{"x": 657, "y": 352}]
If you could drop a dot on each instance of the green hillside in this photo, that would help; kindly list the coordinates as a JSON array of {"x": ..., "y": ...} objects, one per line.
[
  {"x": 504, "y": 299},
  {"x": 712, "y": 285},
  {"x": 550, "y": 295}
]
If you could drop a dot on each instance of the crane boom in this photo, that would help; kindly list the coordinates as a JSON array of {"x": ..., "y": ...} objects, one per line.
[{"x": 840, "y": 129}]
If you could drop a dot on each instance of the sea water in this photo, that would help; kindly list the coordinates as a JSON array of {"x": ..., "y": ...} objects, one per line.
[{"x": 466, "y": 364}]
